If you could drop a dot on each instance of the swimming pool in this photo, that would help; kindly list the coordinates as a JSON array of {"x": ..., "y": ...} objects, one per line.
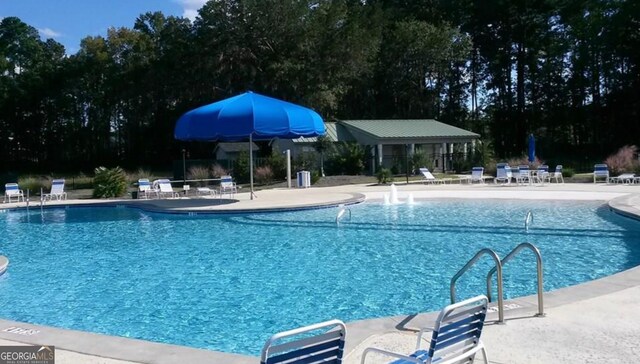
[{"x": 228, "y": 282}]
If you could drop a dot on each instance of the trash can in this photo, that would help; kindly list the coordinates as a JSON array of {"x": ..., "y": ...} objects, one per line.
[
  {"x": 303, "y": 179},
  {"x": 134, "y": 195}
]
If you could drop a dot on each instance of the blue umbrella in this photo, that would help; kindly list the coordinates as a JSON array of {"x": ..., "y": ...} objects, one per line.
[
  {"x": 248, "y": 116},
  {"x": 532, "y": 148}
]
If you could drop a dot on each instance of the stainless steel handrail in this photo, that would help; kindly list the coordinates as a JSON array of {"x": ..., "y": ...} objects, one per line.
[
  {"x": 341, "y": 213},
  {"x": 508, "y": 257},
  {"x": 498, "y": 268},
  {"x": 528, "y": 219}
]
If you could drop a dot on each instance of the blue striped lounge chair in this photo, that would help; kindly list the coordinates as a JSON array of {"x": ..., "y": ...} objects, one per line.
[
  {"x": 144, "y": 188},
  {"x": 165, "y": 188},
  {"x": 57, "y": 191},
  {"x": 12, "y": 190},
  {"x": 455, "y": 337},
  {"x": 557, "y": 174},
  {"x": 600, "y": 171},
  {"x": 318, "y": 343},
  {"x": 503, "y": 173},
  {"x": 477, "y": 175}
]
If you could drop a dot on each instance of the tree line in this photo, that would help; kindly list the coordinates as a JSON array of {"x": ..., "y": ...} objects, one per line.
[{"x": 566, "y": 71}]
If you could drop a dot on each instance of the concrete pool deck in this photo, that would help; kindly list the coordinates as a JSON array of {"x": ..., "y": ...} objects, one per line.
[{"x": 591, "y": 322}]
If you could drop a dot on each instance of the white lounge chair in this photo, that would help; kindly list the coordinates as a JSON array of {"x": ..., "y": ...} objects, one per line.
[
  {"x": 12, "y": 190},
  {"x": 626, "y": 178},
  {"x": 57, "y": 191},
  {"x": 543, "y": 174},
  {"x": 477, "y": 175},
  {"x": 600, "y": 171},
  {"x": 202, "y": 191},
  {"x": 427, "y": 177},
  {"x": 455, "y": 338},
  {"x": 524, "y": 175},
  {"x": 557, "y": 174},
  {"x": 319, "y": 343},
  {"x": 503, "y": 173},
  {"x": 227, "y": 186},
  {"x": 145, "y": 189},
  {"x": 164, "y": 188}
]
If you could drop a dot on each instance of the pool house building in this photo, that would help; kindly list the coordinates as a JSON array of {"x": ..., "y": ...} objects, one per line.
[{"x": 390, "y": 142}]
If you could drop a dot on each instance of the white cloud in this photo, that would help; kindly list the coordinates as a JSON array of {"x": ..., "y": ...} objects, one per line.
[
  {"x": 191, "y": 7},
  {"x": 49, "y": 33}
]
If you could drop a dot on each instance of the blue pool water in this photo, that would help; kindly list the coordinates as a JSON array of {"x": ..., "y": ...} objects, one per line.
[{"x": 228, "y": 282}]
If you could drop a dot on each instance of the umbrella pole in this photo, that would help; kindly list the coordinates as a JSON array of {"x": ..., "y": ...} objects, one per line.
[{"x": 251, "y": 164}]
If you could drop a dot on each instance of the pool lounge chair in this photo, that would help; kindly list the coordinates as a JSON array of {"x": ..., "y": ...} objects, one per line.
[
  {"x": 227, "y": 186},
  {"x": 57, "y": 191},
  {"x": 600, "y": 171},
  {"x": 543, "y": 175},
  {"x": 203, "y": 191},
  {"x": 524, "y": 175},
  {"x": 626, "y": 178},
  {"x": 455, "y": 337},
  {"x": 165, "y": 189},
  {"x": 297, "y": 346},
  {"x": 476, "y": 175},
  {"x": 503, "y": 174},
  {"x": 12, "y": 190},
  {"x": 144, "y": 188},
  {"x": 427, "y": 177},
  {"x": 557, "y": 174}
]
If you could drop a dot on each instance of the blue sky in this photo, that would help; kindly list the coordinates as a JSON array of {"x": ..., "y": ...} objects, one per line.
[{"x": 68, "y": 21}]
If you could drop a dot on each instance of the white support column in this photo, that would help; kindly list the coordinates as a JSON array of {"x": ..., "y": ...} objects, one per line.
[
  {"x": 443, "y": 157},
  {"x": 380, "y": 154},
  {"x": 412, "y": 149},
  {"x": 372, "y": 150}
]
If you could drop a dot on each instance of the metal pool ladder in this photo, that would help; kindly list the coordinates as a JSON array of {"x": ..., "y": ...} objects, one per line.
[
  {"x": 498, "y": 269},
  {"x": 342, "y": 213}
]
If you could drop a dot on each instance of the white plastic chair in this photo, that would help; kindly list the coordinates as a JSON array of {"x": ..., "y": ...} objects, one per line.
[
  {"x": 557, "y": 174},
  {"x": 145, "y": 189},
  {"x": 227, "y": 186},
  {"x": 57, "y": 191},
  {"x": 12, "y": 190},
  {"x": 600, "y": 171},
  {"x": 503, "y": 173},
  {"x": 455, "y": 338}
]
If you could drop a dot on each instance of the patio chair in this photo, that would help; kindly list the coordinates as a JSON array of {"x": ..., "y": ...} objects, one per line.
[
  {"x": 600, "y": 170},
  {"x": 145, "y": 189},
  {"x": 524, "y": 175},
  {"x": 626, "y": 178},
  {"x": 12, "y": 190},
  {"x": 476, "y": 175},
  {"x": 164, "y": 188},
  {"x": 427, "y": 177},
  {"x": 202, "y": 191},
  {"x": 455, "y": 337},
  {"x": 503, "y": 173},
  {"x": 543, "y": 174},
  {"x": 299, "y": 346},
  {"x": 557, "y": 174},
  {"x": 227, "y": 186},
  {"x": 57, "y": 191}
]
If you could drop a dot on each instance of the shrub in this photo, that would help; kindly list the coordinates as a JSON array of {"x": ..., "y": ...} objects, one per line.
[
  {"x": 263, "y": 174},
  {"x": 624, "y": 160},
  {"x": 218, "y": 171},
  {"x": 109, "y": 182},
  {"x": 347, "y": 158},
  {"x": 198, "y": 172},
  {"x": 568, "y": 172},
  {"x": 384, "y": 175},
  {"x": 33, "y": 184},
  {"x": 419, "y": 160},
  {"x": 138, "y": 174},
  {"x": 278, "y": 164},
  {"x": 524, "y": 161},
  {"x": 241, "y": 168},
  {"x": 315, "y": 177}
]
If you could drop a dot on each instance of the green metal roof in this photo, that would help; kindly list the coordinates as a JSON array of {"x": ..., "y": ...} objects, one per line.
[
  {"x": 331, "y": 134},
  {"x": 410, "y": 129}
]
